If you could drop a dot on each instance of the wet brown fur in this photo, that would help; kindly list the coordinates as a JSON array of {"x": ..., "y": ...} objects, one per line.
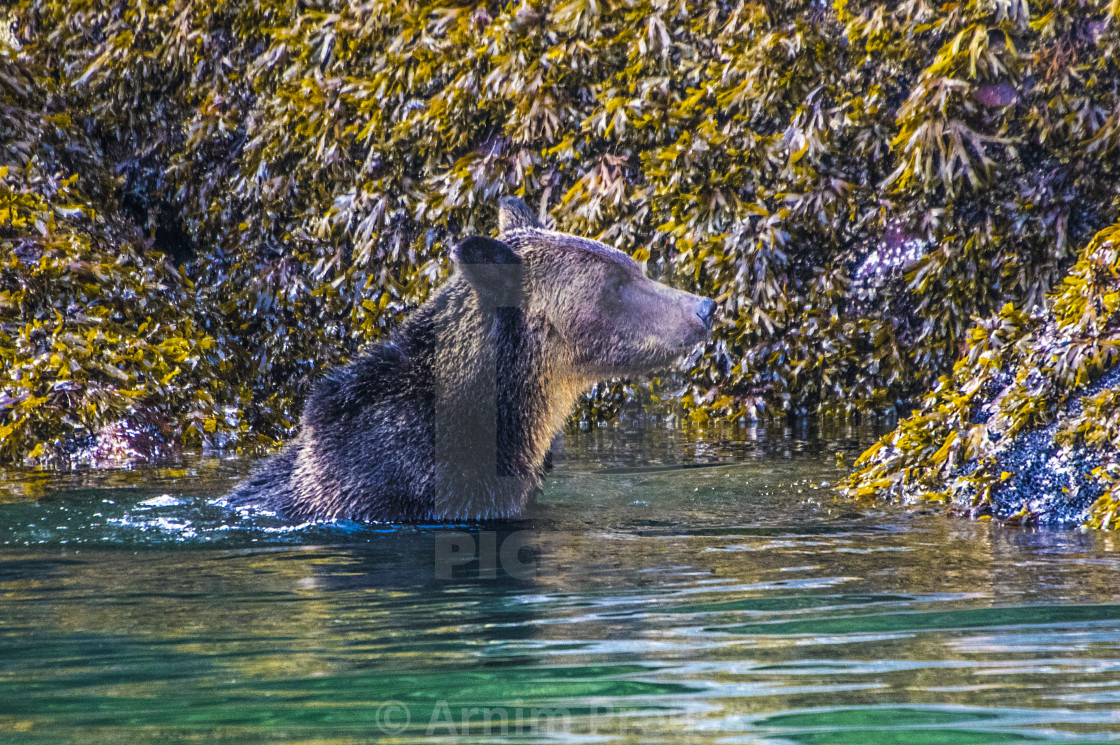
[{"x": 452, "y": 417}]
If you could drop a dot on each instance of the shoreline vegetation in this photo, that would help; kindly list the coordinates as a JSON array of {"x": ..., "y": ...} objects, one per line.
[
  {"x": 897, "y": 206},
  {"x": 1026, "y": 428}
]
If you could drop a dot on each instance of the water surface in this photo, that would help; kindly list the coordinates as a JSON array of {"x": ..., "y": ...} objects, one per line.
[{"x": 666, "y": 588}]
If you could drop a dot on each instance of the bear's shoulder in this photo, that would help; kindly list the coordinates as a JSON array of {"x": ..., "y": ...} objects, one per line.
[{"x": 372, "y": 377}]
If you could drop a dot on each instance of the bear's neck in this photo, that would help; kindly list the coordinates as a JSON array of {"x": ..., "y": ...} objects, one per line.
[{"x": 498, "y": 399}]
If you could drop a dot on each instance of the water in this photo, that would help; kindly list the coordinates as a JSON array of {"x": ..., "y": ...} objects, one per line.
[{"x": 666, "y": 589}]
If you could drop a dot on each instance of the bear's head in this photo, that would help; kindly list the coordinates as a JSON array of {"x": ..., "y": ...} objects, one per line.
[{"x": 599, "y": 309}]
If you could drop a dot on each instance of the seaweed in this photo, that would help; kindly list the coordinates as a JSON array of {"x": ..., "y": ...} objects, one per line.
[
  {"x": 1027, "y": 427},
  {"x": 263, "y": 186}
]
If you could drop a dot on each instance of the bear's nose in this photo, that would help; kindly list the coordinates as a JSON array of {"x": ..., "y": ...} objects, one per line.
[{"x": 707, "y": 312}]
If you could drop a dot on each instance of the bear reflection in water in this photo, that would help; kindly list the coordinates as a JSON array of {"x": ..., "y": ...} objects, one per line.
[{"x": 451, "y": 418}]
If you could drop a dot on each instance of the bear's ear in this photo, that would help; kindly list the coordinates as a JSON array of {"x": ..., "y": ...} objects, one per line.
[
  {"x": 513, "y": 214},
  {"x": 481, "y": 250},
  {"x": 493, "y": 268}
]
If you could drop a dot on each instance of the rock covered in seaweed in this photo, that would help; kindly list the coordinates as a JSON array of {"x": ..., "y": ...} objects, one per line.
[
  {"x": 234, "y": 196},
  {"x": 1050, "y": 479},
  {"x": 1027, "y": 428}
]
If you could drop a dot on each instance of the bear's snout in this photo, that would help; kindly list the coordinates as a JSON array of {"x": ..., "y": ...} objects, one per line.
[
  {"x": 699, "y": 316},
  {"x": 706, "y": 312}
]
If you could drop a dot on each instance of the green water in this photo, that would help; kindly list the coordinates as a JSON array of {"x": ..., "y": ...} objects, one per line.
[{"x": 665, "y": 589}]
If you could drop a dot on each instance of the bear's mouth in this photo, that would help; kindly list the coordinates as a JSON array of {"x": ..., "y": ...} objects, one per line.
[{"x": 650, "y": 359}]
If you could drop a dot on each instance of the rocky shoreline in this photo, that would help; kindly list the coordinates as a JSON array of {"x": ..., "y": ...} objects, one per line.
[{"x": 1027, "y": 428}]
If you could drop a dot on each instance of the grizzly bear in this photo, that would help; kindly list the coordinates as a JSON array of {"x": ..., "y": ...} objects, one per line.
[{"x": 452, "y": 417}]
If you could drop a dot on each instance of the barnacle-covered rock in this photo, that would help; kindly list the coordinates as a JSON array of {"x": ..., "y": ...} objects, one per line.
[{"x": 1027, "y": 428}]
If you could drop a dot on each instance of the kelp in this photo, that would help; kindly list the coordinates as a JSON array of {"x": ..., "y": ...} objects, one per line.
[{"x": 854, "y": 185}]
